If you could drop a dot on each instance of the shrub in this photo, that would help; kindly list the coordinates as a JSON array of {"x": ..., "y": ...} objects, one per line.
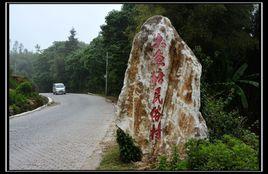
[
  {"x": 12, "y": 82},
  {"x": 250, "y": 139},
  {"x": 174, "y": 164},
  {"x": 111, "y": 160},
  {"x": 182, "y": 165},
  {"x": 163, "y": 163},
  {"x": 12, "y": 96},
  {"x": 128, "y": 150},
  {"x": 13, "y": 109},
  {"x": 25, "y": 88},
  {"x": 229, "y": 153},
  {"x": 24, "y": 97},
  {"x": 16, "y": 98},
  {"x": 219, "y": 121},
  {"x": 38, "y": 99},
  {"x": 18, "y": 102}
]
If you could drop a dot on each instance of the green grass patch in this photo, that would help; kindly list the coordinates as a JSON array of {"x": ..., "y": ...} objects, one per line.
[{"x": 111, "y": 160}]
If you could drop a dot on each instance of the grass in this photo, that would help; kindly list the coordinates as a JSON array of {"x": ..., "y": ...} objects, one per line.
[
  {"x": 111, "y": 161},
  {"x": 111, "y": 98}
]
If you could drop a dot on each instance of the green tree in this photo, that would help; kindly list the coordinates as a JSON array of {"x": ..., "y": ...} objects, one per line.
[
  {"x": 95, "y": 62},
  {"x": 51, "y": 64},
  {"x": 21, "y": 48},
  {"x": 37, "y": 48},
  {"x": 72, "y": 43},
  {"x": 118, "y": 45},
  {"x": 21, "y": 60},
  {"x": 42, "y": 76},
  {"x": 15, "y": 47},
  {"x": 76, "y": 72}
]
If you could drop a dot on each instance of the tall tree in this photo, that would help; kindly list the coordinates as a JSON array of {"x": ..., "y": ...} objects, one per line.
[
  {"x": 37, "y": 48},
  {"x": 42, "y": 75},
  {"x": 21, "y": 48},
  {"x": 116, "y": 40},
  {"x": 72, "y": 43},
  {"x": 15, "y": 47}
]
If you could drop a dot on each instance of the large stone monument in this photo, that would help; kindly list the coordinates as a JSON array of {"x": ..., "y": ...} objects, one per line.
[{"x": 160, "y": 100}]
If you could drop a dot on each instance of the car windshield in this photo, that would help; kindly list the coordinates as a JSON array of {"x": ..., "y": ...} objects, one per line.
[{"x": 59, "y": 85}]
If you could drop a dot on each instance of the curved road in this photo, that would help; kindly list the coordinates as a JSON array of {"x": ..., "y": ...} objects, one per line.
[{"x": 61, "y": 136}]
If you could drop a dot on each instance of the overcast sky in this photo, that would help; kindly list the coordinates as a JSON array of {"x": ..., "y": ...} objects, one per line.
[{"x": 32, "y": 24}]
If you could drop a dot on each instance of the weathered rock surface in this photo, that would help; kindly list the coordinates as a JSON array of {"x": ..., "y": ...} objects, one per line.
[{"x": 160, "y": 100}]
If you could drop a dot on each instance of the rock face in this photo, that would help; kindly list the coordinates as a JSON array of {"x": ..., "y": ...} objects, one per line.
[{"x": 160, "y": 100}]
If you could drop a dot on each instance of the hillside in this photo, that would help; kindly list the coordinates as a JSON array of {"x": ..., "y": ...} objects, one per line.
[{"x": 23, "y": 95}]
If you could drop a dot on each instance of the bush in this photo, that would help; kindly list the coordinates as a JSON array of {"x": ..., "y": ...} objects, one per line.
[
  {"x": 24, "y": 97},
  {"x": 17, "y": 102},
  {"x": 12, "y": 82},
  {"x": 16, "y": 98},
  {"x": 128, "y": 150},
  {"x": 111, "y": 160},
  {"x": 25, "y": 88},
  {"x": 229, "y": 153},
  {"x": 38, "y": 99},
  {"x": 163, "y": 163},
  {"x": 12, "y": 96},
  {"x": 20, "y": 103},
  {"x": 219, "y": 121},
  {"x": 250, "y": 139},
  {"x": 13, "y": 109},
  {"x": 174, "y": 164}
]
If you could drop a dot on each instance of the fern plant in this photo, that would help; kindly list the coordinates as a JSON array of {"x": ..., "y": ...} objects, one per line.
[{"x": 234, "y": 84}]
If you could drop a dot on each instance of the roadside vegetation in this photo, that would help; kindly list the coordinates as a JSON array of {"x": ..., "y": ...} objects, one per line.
[
  {"x": 23, "y": 95},
  {"x": 111, "y": 160},
  {"x": 226, "y": 40},
  {"x": 225, "y": 154}
]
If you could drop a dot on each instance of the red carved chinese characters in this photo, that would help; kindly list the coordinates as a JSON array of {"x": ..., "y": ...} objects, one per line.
[
  {"x": 155, "y": 113},
  {"x": 158, "y": 40},
  {"x": 159, "y": 58},
  {"x": 155, "y": 132},
  {"x": 157, "y": 79},
  {"x": 157, "y": 96}
]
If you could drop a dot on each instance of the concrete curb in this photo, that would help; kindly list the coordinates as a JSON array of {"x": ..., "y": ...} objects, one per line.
[{"x": 37, "y": 109}]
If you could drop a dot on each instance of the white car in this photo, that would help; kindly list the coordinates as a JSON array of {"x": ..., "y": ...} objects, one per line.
[{"x": 58, "y": 88}]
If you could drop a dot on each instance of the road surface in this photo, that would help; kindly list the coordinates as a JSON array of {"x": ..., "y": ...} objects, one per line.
[{"x": 62, "y": 136}]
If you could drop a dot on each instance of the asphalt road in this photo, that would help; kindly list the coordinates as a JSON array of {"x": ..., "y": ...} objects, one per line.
[{"x": 61, "y": 136}]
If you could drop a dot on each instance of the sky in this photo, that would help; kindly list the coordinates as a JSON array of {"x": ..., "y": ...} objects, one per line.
[{"x": 42, "y": 24}]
